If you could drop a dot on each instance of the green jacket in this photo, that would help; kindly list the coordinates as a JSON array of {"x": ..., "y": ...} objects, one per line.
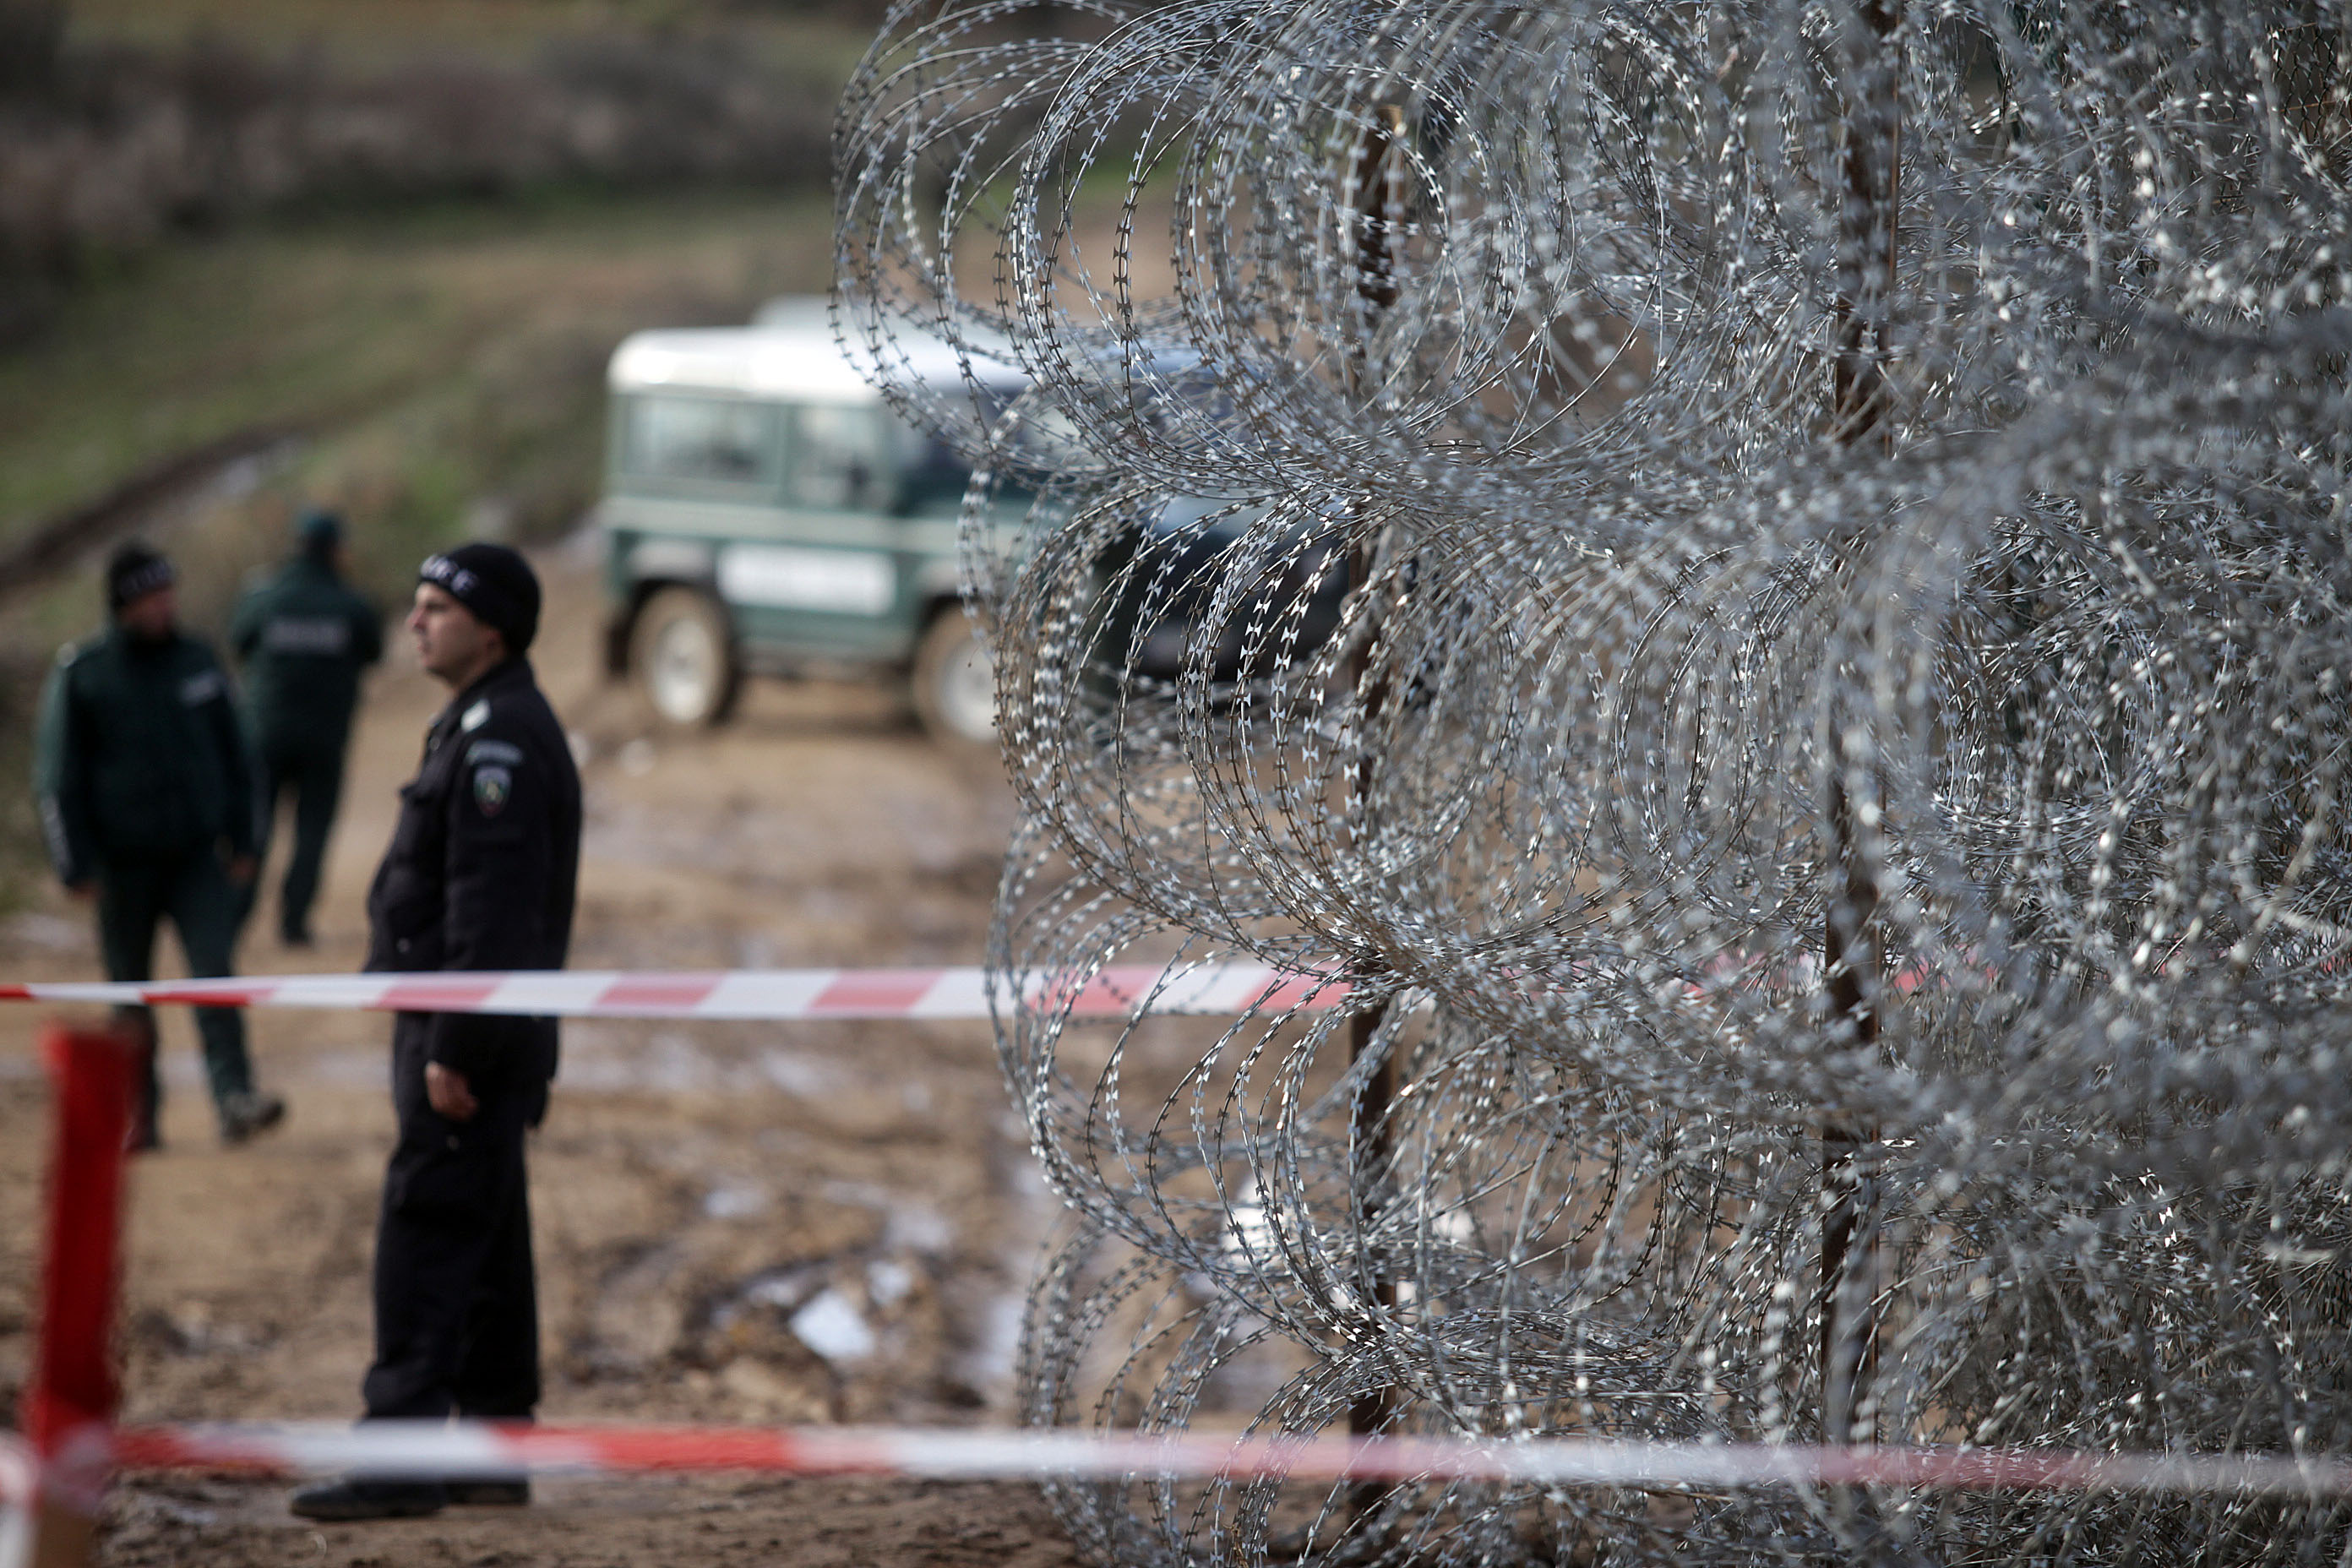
[
  {"x": 139, "y": 755},
  {"x": 303, "y": 637}
]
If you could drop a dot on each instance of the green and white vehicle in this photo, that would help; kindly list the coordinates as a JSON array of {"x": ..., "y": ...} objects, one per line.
[{"x": 767, "y": 513}]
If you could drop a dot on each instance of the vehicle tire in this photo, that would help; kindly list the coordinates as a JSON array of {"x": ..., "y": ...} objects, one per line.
[
  {"x": 955, "y": 681},
  {"x": 684, "y": 658}
]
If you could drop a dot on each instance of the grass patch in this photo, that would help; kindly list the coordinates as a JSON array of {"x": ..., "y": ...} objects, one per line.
[
  {"x": 321, "y": 323},
  {"x": 445, "y": 365}
]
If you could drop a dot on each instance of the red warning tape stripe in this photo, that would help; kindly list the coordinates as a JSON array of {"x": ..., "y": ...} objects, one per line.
[
  {"x": 764, "y": 994},
  {"x": 462, "y": 1448}
]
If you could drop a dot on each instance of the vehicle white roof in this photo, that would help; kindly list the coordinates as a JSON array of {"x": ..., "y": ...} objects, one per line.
[{"x": 786, "y": 356}]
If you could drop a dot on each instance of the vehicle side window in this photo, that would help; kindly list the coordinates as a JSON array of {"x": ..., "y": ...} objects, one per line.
[
  {"x": 712, "y": 440},
  {"x": 842, "y": 457},
  {"x": 933, "y": 472}
]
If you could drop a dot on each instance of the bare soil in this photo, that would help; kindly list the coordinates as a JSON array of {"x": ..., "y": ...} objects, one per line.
[{"x": 694, "y": 1187}]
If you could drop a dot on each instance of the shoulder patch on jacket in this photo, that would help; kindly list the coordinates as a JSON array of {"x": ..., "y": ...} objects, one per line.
[
  {"x": 492, "y": 784},
  {"x": 488, "y": 751},
  {"x": 477, "y": 716},
  {"x": 324, "y": 636}
]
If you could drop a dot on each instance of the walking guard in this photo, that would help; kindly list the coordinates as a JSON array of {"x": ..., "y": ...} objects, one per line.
[
  {"x": 303, "y": 637},
  {"x": 480, "y": 875},
  {"x": 146, "y": 800}
]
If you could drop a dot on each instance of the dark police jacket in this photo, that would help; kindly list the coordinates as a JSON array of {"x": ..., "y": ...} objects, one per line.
[
  {"x": 304, "y": 636},
  {"x": 139, "y": 755},
  {"x": 483, "y": 867}
]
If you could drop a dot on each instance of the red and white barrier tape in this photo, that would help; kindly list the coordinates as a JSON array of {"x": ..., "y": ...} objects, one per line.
[
  {"x": 765, "y": 994},
  {"x": 1218, "y": 989},
  {"x": 20, "y": 1471},
  {"x": 434, "y": 1448}
]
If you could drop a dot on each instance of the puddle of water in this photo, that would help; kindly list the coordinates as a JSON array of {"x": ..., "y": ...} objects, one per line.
[
  {"x": 918, "y": 1229},
  {"x": 832, "y": 1326},
  {"x": 907, "y": 1227},
  {"x": 735, "y": 1202},
  {"x": 988, "y": 1365},
  {"x": 888, "y": 1281},
  {"x": 783, "y": 1288}
]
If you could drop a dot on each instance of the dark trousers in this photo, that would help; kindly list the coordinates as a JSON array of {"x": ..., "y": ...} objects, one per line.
[
  {"x": 193, "y": 892},
  {"x": 312, "y": 771},
  {"x": 456, "y": 1311}
]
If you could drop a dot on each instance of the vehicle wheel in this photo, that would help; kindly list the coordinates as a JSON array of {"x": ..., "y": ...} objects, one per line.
[
  {"x": 955, "y": 681},
  {"x": 684, "y": 659}
]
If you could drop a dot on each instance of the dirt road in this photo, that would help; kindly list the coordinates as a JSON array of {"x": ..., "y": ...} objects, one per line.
[{"x": 695, "y": 1185}]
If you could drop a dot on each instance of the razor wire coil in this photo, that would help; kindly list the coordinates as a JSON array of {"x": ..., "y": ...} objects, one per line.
[{"x": 1512, "y": 509}]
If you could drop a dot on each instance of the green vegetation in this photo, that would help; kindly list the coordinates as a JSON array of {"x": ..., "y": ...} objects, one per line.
[
  {"x": 358, "y": 327},
  {"x": 438, "y": 360},
  {"x": 825, "y": 40},
  {"x": 444, "y": 367}
]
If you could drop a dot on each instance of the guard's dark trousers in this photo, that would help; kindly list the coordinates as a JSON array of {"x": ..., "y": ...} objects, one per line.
[
  {"x": 457, "y": 1316},
  {"x": 313, "y": 773},
  {"x": 193, "y": 892}
]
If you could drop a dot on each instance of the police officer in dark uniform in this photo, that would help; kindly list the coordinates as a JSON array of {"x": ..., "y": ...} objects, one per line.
[
  {"x": 303, "y": 636},
  {"x": 480, "y": 875},
  {"x": 146, "y": 799}
]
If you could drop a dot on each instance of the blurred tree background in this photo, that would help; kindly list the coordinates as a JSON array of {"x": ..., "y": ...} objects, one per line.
[
  {"x": 257, "y": 255},
  {"x": 125, "y": 121}
]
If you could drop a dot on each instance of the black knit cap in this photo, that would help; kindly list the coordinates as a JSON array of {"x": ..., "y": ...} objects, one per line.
[
  {"x": 134, "y": 572},
  {"x": 318, "y": 532},
  {"x": 494, "y": 583}
]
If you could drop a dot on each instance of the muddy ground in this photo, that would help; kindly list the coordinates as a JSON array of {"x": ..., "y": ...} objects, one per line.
[{"x": 695, "y": 1189}]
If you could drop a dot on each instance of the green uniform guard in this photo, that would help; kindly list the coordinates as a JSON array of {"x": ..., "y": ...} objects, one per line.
[
  {"x": 303, "y": 637},
  {"x": 146, "y": 799}
]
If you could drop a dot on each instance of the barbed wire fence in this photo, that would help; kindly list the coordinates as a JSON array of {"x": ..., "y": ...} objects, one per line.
[{"x": 1765, "y": 581}]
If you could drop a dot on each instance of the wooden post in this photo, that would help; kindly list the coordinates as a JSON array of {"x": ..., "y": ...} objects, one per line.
[
  {"x": 69, "y": 1405},
  {"x": 1861, "y": 403},
  {"x": 1849, "y": 1186},
  {"x": 1866, "y": 231},
  {"x": 1378, "y": 209}
]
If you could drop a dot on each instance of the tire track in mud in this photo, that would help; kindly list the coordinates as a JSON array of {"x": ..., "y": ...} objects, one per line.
[{"x": 234, "y": 462}]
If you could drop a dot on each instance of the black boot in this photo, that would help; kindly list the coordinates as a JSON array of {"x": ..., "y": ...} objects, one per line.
[
  {"x": 490, "y": 1491},
  {"x": 252, "y": 1111},
  {"x": 352, "y": 1499}
]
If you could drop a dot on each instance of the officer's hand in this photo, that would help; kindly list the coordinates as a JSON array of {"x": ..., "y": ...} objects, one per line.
[
  {"x": 450, "y": 1094},
  {"x": 241, "y": 868}
]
